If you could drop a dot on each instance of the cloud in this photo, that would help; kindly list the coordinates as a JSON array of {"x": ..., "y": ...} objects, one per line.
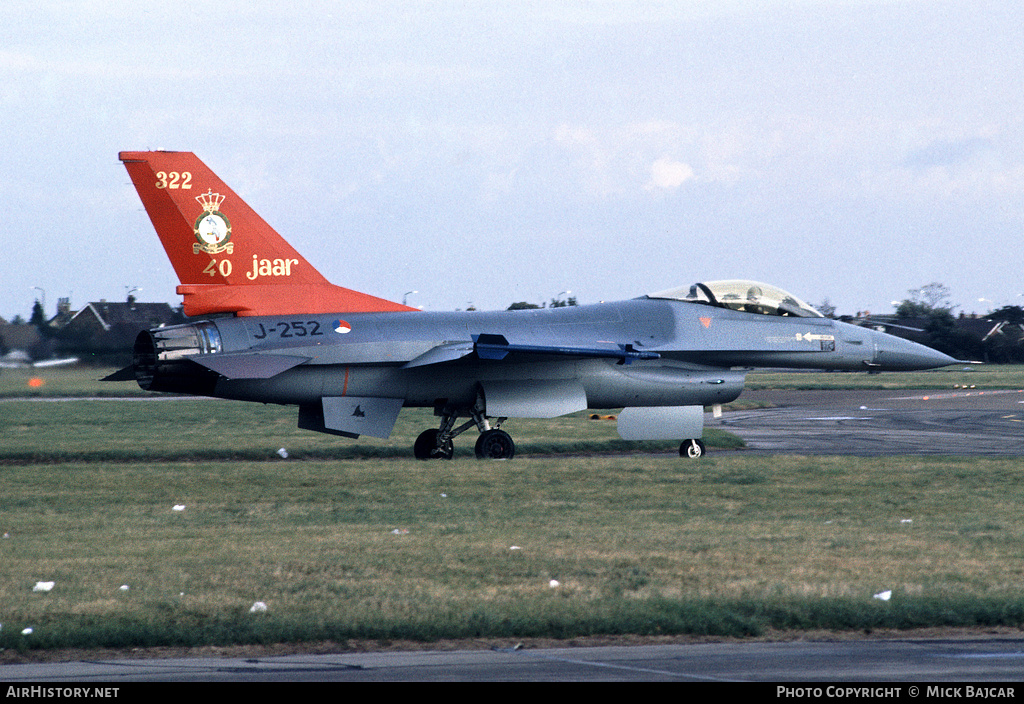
[
  {"x": 943, "y": 152},
  {"x": 668, "y": 174}
]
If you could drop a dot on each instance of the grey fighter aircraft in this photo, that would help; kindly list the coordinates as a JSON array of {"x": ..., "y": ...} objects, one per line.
[{"x": 351, "y": 361}]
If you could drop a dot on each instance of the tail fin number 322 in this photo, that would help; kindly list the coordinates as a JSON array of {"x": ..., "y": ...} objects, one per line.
[{"x": 174, "y": 180}]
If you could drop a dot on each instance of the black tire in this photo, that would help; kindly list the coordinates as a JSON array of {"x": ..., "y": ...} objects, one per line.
[
  {"x": 692, "y": 449},
  {"x": 426, "y": 447},
  {"x": 495, "y": 445}
]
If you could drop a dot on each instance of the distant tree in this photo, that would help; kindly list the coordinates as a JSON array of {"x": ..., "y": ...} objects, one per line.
[
  {"x": 562, "y": 302},
  {"x": 935, "y": 295},
  {"x": 932, "y": 303},
  {"x": 523, "y": 305},
  {"x": 826, "y": 308},
  {"x": 38, "y": 317},
  {"x": 1008, "y": 314},
  {"x": 945, "y": 336},
  {"x": 911, "y": 309},
  {"x": 930, "y": 298}
]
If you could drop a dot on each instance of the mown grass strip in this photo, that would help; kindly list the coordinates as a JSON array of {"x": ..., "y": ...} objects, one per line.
[
  {"x": 539, "y": 547},
  {"x": 535, "y": 618},
  {"x": 713, "y": 438}
]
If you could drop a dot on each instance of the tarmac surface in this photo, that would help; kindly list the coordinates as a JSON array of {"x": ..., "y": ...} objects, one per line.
[
  {"x": 874, "y": 423},
  {"x": 899, "y": 660}
]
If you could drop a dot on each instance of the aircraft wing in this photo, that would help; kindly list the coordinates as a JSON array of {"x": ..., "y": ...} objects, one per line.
[{"x": 496, "y": 347}]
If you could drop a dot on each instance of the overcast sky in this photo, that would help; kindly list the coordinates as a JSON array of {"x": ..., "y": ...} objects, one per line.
[{"x": 490, "y": 152}]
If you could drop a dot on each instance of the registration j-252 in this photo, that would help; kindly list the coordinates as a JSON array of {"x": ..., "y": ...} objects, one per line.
[{"x": 288, "y": 328}]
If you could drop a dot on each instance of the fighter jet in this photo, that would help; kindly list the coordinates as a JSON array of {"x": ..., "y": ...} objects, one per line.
[{"x": 281, "y": 333}]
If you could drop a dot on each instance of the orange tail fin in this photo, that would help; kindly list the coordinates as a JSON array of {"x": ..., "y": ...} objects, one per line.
[{"x": 227, "y": 258}]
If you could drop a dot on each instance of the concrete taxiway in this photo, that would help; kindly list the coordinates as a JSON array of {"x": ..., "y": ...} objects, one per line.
[
  {"x": 956, "y": 422},
  {"x": 898, "y": 660}
]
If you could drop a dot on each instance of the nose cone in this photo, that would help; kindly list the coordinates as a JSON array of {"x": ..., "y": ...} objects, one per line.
[{"x": 896, "y": 354}]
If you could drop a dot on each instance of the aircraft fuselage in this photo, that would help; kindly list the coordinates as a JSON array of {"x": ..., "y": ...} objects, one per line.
[{"x": 426, "y": 357}]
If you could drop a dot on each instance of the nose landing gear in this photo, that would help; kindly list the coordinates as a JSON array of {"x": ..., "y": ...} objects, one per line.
[{"x": 692, "y": 449}]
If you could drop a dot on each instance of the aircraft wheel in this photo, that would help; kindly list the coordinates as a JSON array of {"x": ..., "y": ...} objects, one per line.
[
  {"x": 426, "y": 447},
  {"x": 692, "y": 449},
  {"x": 495, "y": 445}
]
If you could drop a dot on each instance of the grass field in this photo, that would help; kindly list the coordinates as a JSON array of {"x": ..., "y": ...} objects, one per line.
[
  {"x": 982, "y": 376},
  {"x": 389, "y": 548}
]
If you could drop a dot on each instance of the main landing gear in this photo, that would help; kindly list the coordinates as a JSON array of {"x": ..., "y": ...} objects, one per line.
[{"x": 493, "y": 444}]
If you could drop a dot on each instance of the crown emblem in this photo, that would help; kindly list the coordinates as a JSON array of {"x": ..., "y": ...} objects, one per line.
[
  {"x": 210, "y": 201},
  {"x": 212, "y": 228}
]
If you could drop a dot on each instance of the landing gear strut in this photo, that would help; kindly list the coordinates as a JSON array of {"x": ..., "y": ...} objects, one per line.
[{"x": 493, "y": 444}]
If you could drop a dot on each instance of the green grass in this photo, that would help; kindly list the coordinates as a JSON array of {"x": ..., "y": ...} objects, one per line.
[
  {"x": 1006, "y": 376},
  {"x": 75, "y": 381},
  {"x": 210, "y": 429},
  {"x": 640, "y": 543}
]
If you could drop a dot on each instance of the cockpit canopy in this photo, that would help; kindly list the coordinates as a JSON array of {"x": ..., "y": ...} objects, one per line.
[{"x": 747, "y": 296}]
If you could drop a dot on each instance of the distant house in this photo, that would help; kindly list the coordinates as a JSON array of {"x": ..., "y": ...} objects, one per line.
[{"x": 103, "y": 326}]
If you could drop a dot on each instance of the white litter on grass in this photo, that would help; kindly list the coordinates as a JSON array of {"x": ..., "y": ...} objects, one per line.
[
  {"x": 515, "y": 547},
  {"x": 400, "y": 531},
  {"x": 283, "y": 453},
  {"x": 26, "y": 631},
  {"x": 553, "y": 583},
  {"x": 884, "y": 596},
  {"x": 43, "y": 586},
  {"x": 123, "y": 587},
  {"x": 906, "y": 520},
  {"x": 178, "y": 507},
  {"x": 257, "y": 607}
]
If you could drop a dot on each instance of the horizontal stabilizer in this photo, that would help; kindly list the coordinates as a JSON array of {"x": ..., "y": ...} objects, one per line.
[
  {"x": 497, "y": 347},
  {"x": 249, "y": 365},
  {"x": 126, "y": 374}
]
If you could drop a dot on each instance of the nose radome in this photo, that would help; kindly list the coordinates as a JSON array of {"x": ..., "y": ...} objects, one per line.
[{"x": 896, "y": 354}]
